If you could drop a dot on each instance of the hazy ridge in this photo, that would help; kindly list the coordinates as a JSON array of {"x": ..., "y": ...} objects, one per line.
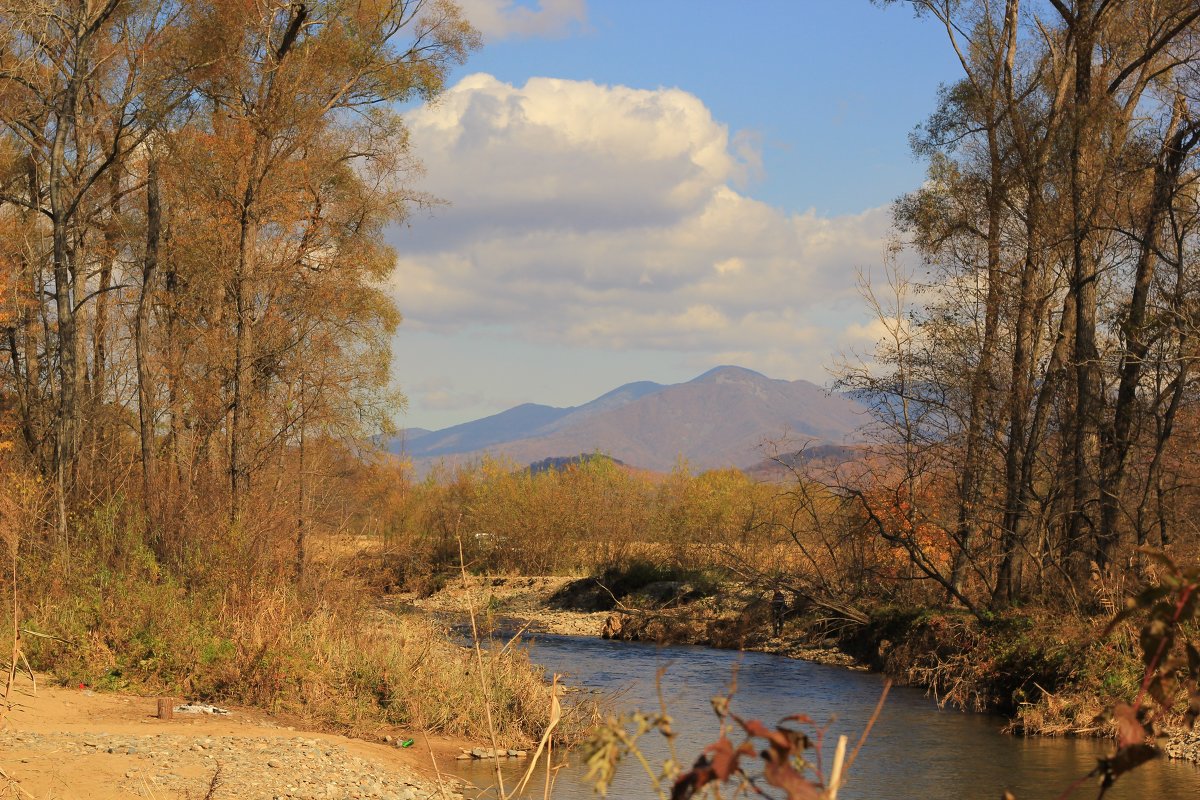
[{"x": 728, "y": 417}]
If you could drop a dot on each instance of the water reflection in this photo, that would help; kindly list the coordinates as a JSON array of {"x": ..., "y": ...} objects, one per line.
[{"x": 915, "y": 750}]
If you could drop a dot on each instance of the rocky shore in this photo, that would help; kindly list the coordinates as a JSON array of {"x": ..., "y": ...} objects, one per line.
[
  {"x": 525, "y": 599},
  {"x": 1183, "y": 745}
]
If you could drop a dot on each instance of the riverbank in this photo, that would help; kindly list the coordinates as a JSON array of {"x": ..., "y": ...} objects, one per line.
[
  {"x": 575, "y": 606},
  {"x": 77, "y": 743},
  {"x": 1050, "y": 675},
  {"x": 534, "y": 600}
]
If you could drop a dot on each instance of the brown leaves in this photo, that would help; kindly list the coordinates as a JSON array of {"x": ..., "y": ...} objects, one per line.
[
  {"x": 1134, "y": 747},
  {"x": 718, "y": 763},
  {"x": 1131, "y": 728},
  {"x": 1169, "y": 603},
  {"x": 781, "y": 757}
]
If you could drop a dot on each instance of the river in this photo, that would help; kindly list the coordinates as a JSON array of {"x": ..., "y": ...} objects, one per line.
[{"x": 915, "y": 750}]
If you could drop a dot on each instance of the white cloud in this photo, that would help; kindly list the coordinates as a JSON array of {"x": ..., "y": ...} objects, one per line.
[
  {"x": 607, "y": 217},
  {"x": 505, "y": 19}
]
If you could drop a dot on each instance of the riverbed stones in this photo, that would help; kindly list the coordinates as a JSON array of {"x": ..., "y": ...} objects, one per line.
[
  {"x": 255, "y": 768},
  {"x": 1184, "y": 745},
  {"x": 480, "y": 753}
]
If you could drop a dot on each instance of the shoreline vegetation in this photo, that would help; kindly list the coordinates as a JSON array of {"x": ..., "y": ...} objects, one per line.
[{"x": 1071, "y": 667}]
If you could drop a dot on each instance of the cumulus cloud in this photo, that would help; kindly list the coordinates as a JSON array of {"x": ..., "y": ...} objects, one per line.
[
  {"x": 611, "y": 217},
  {"x": 505, "y": 19}
]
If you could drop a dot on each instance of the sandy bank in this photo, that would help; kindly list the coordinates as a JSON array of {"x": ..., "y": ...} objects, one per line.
[{"x": 80, "y": 744}]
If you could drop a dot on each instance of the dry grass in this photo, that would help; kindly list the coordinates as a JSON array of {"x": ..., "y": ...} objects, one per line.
[
  {"x": 335, "y": 663},
  {"x": 232, "y": 625},
  {"x": 1063, "y": 714}
]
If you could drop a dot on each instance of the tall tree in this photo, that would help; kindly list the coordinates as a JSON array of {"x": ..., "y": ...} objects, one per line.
[{"x": 1060, "y": 165}]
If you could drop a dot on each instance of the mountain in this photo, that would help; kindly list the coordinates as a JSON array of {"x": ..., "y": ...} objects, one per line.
[
  {"x": 782, "y": 467},
  {"x": 723, "y": 418},
  {"x": 507, "y": 426},
  {"x": 521, "y": 422}
]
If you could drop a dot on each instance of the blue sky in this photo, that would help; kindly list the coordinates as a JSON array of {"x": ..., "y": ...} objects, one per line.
[{"x": 644, "y": 190}]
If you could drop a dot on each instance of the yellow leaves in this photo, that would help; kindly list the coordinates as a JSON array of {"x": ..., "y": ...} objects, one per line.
[{"x": 276, "y": 187}]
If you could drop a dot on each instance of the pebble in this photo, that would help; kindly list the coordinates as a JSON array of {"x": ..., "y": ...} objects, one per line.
[{"x": 300, "y": 769}]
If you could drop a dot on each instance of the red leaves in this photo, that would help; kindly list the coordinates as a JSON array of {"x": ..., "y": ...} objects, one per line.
[
  {"x": 722, "y": 761},
  {"x": 718, "y": 762},
  {"x": 788, "y": 778},
  {"x": 1193, "y": 683}
]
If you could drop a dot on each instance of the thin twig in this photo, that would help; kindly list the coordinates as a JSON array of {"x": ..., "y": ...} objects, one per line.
[
  {"x": 514, "y": 638},
  {"x": 1070, "y": 790},
  {"x": 887, "y": 687},
  {"x": 433, "y": 760},
  {"x": 214, "y": 784},
  {"x": 483, "y": 683}
]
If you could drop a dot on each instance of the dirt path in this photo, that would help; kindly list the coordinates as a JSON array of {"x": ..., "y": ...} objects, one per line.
[{"x": 63, "y": 743}]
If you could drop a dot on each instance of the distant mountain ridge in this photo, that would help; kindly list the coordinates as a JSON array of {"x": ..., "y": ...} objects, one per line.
[
  {"x": 521, "y": 422},
  {"x": 719, "y": 419}
]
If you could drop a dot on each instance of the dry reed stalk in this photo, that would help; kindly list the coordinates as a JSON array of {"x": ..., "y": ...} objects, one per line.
[
  {"x": 13, "y": 783},
  {"x": 555, "y": 716},
  {"x": 835, "y": 772},
  {"x": 549, "y": 775},
  {"x": 887, "y": 687},
  {"x": 483, "y": 683},
  {"x": 440, "y": 783},
  {"x": 515, "y": 637},
  {"x": 13, "y": 535}
]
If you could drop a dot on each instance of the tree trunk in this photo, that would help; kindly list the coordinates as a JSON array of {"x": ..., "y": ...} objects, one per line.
[
  {"x": 302, "y": 507},
  {"x": 142, "y": 344},
  {"x": 1167, "y": 170},
  {"x": 1085, "y": 431},
  {"x": 1005, "y": 590}
]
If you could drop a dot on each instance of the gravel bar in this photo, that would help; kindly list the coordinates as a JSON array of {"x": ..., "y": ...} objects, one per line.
[{"x": 271, "y": 768}]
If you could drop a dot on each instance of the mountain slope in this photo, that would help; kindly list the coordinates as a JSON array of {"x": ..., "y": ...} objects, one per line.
[
  {"x": 516, "y": 423},
  {"x": 521, "y": 422},
  {"x": 722, "y": 418}
]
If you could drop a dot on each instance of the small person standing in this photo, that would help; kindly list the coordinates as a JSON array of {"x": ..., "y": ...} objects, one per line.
[{"x": 778, "y": 607}]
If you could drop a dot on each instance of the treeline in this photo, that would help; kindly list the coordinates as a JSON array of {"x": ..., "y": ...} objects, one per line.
[
  {"x": 1035, "y": 394},
  {"x": 586, "y": 516},
  {"x": 193, "y": 196},
  {"x": 599, "y": 518}
]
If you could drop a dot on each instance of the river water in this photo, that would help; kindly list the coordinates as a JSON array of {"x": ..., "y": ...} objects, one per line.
[{"x": 915, "y": 750}]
